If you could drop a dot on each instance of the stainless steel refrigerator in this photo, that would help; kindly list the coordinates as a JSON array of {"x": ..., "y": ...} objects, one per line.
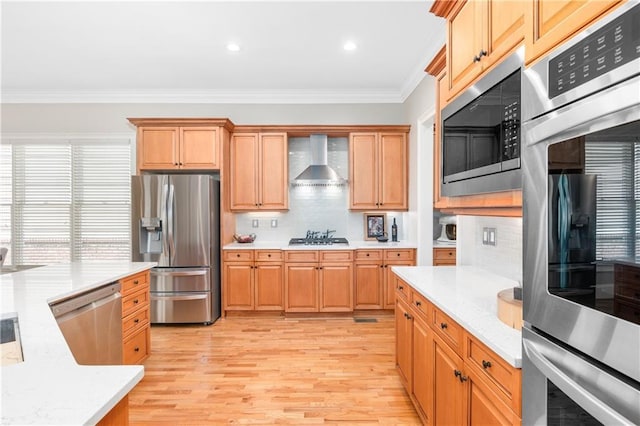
[{"x": 176, "y": 223}]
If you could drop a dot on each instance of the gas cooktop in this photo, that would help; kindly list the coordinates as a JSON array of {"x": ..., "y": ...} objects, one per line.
[{"x": 318, "y": 238}]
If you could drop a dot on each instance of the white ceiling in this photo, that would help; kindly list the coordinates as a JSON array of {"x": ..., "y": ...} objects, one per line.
[{"x": 173, "y": 51}]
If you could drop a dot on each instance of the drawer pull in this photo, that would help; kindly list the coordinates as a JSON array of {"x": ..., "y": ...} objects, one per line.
[
  {"x": 135, "y": 282},
  {"x": 238, "y": 255},
  {"x": 135, "y": 301},
  {"x": 418, "y": 303},
  {"x": 443, "y": 325},
  {"x": 367, "y": 254},
  {"x": 136, "y": 349},
  {"x": 269, "y": 255},
  {"x": 398, "y": 254},
  {"x": 400, "y": 287},
  {"x": 137, "y": 320},
  {"x": 457, "y": 373},
  {"x": 486, "y": 364}
]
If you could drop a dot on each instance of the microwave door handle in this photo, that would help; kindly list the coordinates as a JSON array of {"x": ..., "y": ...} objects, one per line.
[{"x": 572, "y": 388}]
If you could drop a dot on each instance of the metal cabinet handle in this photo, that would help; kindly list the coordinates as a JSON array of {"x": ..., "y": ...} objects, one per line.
[
  {"x": 418, "y": 303},
  {"x": 443, "y": 325},
  {"x": 480, "y": 55},
  {"x": 486, "y": 364},
  {"x": 135, "y": 301},
  {"x": 136, "y": 349},
  {"x": 457, "y": 373},
  {"x": 135, "y": 282},
  {"x": 137, "y": 320},
  {"x": 400, "y": 287}
]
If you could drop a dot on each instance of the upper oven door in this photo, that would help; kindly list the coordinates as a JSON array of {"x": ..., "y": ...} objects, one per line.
[{"x": 581, "y": 208}]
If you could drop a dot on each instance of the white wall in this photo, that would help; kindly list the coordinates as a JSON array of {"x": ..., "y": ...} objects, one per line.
[
  {"x": 505, "y": 258},
  {"x": 420, "y": 110}
]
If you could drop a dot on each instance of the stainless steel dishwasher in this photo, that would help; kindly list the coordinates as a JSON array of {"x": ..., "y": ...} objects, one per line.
[{"x": 91, "y": 323}]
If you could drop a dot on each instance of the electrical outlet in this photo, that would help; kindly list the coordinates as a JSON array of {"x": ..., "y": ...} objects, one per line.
[
  {"x": 255, "y": 223},
  {"x": 274, "y": 223},
  {"x": 489, "y": 236}
]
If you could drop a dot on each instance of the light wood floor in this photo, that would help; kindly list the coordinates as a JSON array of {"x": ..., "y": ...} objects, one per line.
[{"x": 272, "y": 370}]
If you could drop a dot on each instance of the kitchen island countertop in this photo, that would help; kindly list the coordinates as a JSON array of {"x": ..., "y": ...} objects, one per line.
[
  {"x": 49, "y": 387},
  {"x": 469, "y": 296}
]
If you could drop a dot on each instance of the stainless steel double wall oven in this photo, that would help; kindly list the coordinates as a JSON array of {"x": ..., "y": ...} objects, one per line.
[{"x": 581, "y": 179}]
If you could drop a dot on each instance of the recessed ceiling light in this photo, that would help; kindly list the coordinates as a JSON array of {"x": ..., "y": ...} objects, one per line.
[
  {"x": 348, "y": 46},
  {"x": 233, "y": 47}
]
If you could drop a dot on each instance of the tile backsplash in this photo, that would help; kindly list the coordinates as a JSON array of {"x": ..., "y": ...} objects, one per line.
[
  {"x": 313, "y": 207},
  {"x": 504, "y": 258}
]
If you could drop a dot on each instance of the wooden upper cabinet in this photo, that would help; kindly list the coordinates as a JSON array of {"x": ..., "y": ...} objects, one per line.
[
  {"x": 378, "y": 171},
  {"x": 199, "y": 148},
  {"x": 259, "y": 172},
  {"x": 180, "y": 143},
  {"x": 479, "y": 34},
  {"x": 551, "y": 22}
]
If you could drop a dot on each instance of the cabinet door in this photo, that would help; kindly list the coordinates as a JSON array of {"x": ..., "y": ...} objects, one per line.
[
  {"x": 269, "y": 286},
  {"x": 336, "y": 287},
  {"x": 199, "y": 148},
  {"x": 450, "y": 391},
  {"x": 466, "y": 38},
  {"x": 274, "y": 172},
  {"x": 404, "y": 350},
  {"x": 363, "y": 171},
  {"x": 393, "y": 171},
  {"x": 390, "y": 282},
  {"x": 368, "y": 286},
  {"x": 485, "y": 408},
  {"x": 505, "y": 28},
  {"x": 550, "y": 22},
  {"x": 244, "y": 171},
  {"x": 301, "y": 287},
  {"x": 238, "y": 286},
  {"x": 157, "y": 148},
  {"x": 422, "y": 367}
]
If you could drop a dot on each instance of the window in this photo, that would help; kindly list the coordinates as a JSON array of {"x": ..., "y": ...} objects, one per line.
[
  {"x": 617, "y": 165},
  {"x": 65, "y": 200}
]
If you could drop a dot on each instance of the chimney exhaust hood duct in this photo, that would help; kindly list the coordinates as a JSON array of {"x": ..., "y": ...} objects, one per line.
[{"x": 318, "y": 173}]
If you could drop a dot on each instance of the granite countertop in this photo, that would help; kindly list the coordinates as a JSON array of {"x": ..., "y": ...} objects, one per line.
[
  {"x": 469, "y": 296},
  {"x": 353, "y": 245},
  {"x": 49, "y": 387}
]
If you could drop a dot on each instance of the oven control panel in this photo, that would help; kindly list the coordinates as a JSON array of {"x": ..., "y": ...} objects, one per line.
[{"x": 612, "y": 46}]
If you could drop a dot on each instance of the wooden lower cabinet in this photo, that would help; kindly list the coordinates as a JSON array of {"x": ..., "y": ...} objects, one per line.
[
  {"x": 444, "y": 256},
  {"x": 374, "y": 280},
  {"x": 118, "y": 415},
  {"x": 452, "y": 378},
  {"x": 253, "y": 280},
  {"x": 136, "y": 327},
  {"x": 318, "y": 281}
]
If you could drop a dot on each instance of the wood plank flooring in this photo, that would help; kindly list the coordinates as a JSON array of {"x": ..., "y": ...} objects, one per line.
[{"x": 271, "y": 370}]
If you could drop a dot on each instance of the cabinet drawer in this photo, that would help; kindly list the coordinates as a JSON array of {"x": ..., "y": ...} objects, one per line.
[
  {"x": 402, "y": 288},
  {"x": 238, "y": 255},
  {"x": 631, "y": 291},
  {"x": 336, "y": 255},
  {"x": 420, "y": 304},
  {"x": 301, "y": 256},
  {"x": 368, "y": 254},
  {"x": 627, "y": 311},
  {"x": 491, "y": 366},
  {"x": 134, "y": 301},
  {"x": 133, "y": 283},
  {"x": 269, "y": 256},
  {"x": 404, "y": 254},
  {"x": 136, "y": 347},
  {"x": 450, "y": 331},
  {"x": 135, "y": 320},
  {"x": 444, "y": 254}
]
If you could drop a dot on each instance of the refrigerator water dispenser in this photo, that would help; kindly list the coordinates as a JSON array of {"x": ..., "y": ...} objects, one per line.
[{"x": 150, "y": 235}]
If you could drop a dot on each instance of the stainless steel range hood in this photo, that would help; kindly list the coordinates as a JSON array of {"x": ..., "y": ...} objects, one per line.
[{"x": 319, "y": 172}]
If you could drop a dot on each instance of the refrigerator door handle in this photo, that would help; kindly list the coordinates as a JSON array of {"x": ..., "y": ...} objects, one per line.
[
  {"x": 178, "y": 273},
  {"x": 170, "y": 224},
  {"x": 165, "y": 224}
]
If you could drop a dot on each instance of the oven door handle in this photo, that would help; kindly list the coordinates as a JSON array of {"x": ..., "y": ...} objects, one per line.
[
  {"x": 179, "y": 297},
  {"x": 578, "y": 392}
]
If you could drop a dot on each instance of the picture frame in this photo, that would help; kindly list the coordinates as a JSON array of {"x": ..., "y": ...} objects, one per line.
[{"x": 375, "y": 224}]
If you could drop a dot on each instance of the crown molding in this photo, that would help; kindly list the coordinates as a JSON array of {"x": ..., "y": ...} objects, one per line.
[{"x": 209, "y": 97}]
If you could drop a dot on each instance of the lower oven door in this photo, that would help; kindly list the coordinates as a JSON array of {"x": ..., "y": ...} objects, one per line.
[
  {"x": 181, "y": 307},
  {"x": 565, "y": 387}
]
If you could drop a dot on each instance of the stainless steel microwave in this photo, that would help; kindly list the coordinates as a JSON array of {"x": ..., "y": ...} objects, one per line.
[{"x": 481, "y": 133}]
